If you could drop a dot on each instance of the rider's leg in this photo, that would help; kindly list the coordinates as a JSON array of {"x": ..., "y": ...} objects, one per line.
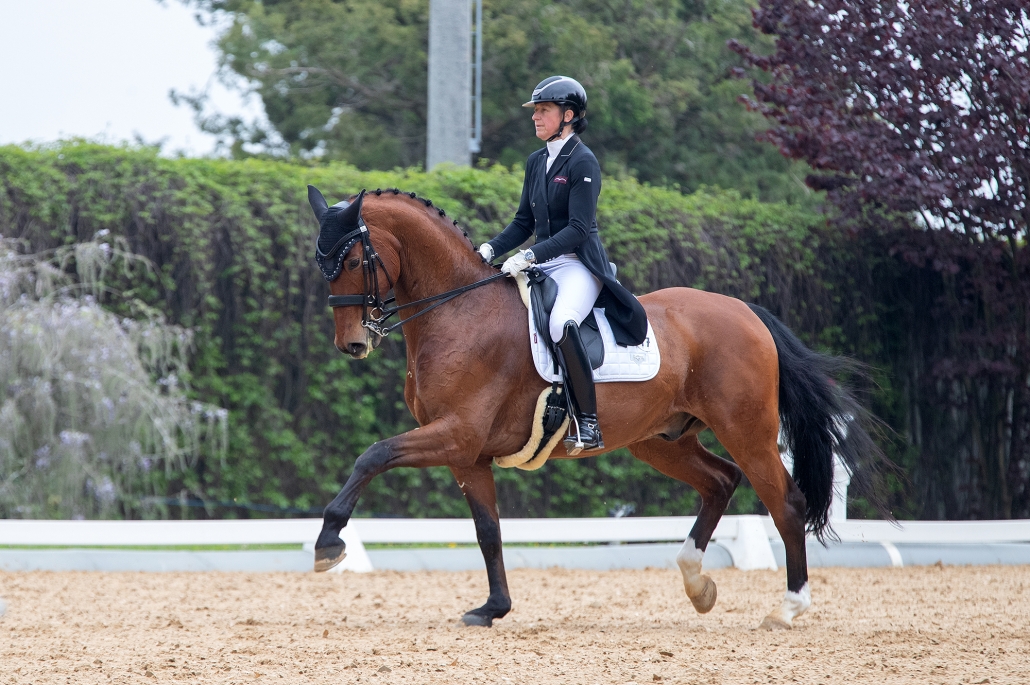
[
  {"x": 579, "y": 381},
  {"x": 577, "y": 292}
]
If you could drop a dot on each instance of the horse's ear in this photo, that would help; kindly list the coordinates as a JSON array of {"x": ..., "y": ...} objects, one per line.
[
  {"x": 350, "y": 214},
  {"x": 317, "y": 202}
]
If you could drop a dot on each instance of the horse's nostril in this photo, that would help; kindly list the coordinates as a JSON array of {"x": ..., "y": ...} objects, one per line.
[{"x": 356, "y": 348}]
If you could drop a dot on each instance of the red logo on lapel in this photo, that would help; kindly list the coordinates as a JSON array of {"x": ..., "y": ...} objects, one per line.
[{"x": 561, "y": 179}]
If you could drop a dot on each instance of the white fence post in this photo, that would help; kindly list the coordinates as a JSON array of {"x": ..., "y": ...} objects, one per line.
[
  {"x": 749, "y": 547},
  {"x": 357, "y": 559}
]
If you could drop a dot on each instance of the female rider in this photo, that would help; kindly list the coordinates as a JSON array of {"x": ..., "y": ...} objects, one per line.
[{"x": 559, "y": 203}]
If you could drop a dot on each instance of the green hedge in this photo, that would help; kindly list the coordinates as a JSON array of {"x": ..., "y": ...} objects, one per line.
[{"x": 232, "y": 243}]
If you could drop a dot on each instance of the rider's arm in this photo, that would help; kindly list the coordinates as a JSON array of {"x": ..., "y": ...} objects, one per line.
[
  {"x": 584, "y": 189},
  {"x": 521, "y": 227}
]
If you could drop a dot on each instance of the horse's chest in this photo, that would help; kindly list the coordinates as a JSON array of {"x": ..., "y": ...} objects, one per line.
[
  {"x": 410, "y": 392},
  {"x": 432, "y": 390}
]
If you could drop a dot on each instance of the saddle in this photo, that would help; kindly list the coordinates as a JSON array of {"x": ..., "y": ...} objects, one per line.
[
  {"x": 543, "y": 292},
  {"x": 610, "y": 362},
  {"x": 551, "y": 416}
]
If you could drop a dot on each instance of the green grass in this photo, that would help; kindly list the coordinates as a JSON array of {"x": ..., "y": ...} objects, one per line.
[{"x": 452, "y": 545}]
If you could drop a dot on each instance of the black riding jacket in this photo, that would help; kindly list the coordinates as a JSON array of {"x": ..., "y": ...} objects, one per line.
[{"x": 560, "y": 207}]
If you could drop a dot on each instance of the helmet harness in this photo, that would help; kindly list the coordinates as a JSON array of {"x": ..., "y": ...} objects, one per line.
[{"x": 564, "y": 106}]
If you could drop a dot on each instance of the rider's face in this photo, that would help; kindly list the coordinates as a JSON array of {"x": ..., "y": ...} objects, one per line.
[{"x": 546, "y": 117}]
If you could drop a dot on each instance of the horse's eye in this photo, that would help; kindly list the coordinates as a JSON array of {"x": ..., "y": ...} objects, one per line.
[{"x": 353, "y": 264}]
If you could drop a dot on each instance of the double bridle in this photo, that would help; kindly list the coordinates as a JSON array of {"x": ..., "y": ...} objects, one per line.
[{"x": 375, "y": 309}]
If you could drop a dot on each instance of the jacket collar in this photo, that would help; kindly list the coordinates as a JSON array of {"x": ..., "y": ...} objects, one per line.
[{"x": 570, "y": 146}]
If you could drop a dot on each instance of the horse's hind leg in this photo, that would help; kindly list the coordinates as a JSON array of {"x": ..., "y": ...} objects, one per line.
[
  {"x": 715, "y": 479},
  {"x": 754, "y": 449}
]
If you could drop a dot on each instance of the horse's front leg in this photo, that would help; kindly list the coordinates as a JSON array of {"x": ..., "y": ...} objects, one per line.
[
  {"x": 441, "y": 443},
  {"x": 477, "y": 484}
]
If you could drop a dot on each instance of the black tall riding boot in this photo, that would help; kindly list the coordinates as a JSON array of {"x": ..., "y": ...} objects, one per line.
[{"x": 579, "y": 382}]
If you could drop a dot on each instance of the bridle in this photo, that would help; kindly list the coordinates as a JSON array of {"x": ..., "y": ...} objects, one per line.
[{"x": 375, "y": 310}]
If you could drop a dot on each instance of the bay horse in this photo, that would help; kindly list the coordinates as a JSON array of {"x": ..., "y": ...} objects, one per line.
[{"x": 726, "y": 366}]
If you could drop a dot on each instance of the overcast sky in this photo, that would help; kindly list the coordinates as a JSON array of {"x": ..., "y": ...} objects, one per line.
[{"x": 102, "y": 69}]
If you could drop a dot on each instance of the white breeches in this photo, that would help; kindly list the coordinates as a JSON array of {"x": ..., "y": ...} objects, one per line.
[{"x": 577, "y": 291}]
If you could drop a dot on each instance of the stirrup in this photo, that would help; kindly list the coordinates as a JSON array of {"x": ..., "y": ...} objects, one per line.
[{"x": 576, "y": 444}]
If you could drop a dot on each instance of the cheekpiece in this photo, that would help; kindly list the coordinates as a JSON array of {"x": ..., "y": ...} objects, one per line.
[{"x": 339, "y": 230}]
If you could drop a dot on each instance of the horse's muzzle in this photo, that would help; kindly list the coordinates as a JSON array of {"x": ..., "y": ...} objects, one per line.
[{"x": 358, "y": 350}]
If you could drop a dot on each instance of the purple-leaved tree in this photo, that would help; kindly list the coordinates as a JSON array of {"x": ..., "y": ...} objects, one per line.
[{"x": 914, "y": 116}]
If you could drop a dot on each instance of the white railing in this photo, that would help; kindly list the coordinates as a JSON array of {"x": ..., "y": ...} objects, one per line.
[
  {"x": 136, "y": 533},
  {"x": 926, "y": 532},
  {"x": 747, "y": 538}
]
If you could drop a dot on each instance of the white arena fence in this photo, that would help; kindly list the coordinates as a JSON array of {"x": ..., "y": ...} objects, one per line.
[{"x": 749, "y": 540}]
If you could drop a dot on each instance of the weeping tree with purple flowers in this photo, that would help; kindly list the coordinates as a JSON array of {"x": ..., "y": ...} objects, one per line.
[
  {"x": 914, "y": 119},
  {"x": 94, "y": 414}
]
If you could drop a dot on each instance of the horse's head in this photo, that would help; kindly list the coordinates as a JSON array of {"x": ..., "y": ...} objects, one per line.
[{"x": 343, "y": 257}]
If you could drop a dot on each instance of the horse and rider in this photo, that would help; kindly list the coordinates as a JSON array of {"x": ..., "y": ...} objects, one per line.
[
  {"x": 471, "y": 385},
  {"x": 559, "y": 208}
]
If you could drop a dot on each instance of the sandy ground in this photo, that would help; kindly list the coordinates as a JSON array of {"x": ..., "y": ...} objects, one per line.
[{"x": 913, "y": 625}]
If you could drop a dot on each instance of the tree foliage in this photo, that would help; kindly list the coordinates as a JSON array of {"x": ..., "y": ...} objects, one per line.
[
  {"x": 917, "y": 107},
  {"x": 347, "y": 81},
  {"x": 914, "y": 117}
]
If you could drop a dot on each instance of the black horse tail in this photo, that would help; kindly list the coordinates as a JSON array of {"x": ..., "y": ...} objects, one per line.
[{"x": 819, "y": 416}]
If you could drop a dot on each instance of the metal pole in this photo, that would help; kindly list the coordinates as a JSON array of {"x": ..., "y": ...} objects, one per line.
[
  {"x": 449, "y": 106},
  {"x": 476, "y": 144}
]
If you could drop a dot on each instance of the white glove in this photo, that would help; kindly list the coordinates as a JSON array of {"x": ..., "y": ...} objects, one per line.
[
  {"x": 486, "y": 251},
  {"x": 520, "y": 261}
]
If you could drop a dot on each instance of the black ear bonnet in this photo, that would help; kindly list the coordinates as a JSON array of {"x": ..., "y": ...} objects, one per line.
[{"x": 338, "y": 231}]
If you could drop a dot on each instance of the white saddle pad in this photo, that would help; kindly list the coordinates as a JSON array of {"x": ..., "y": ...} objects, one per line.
[{"x": 638, "y": 363}]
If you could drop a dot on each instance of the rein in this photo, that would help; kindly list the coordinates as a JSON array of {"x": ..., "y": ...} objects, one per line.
[{"x": 375, "y": 310}]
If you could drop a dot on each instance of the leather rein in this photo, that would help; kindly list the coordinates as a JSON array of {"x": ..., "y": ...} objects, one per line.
[{"x": 375, "y": 309}]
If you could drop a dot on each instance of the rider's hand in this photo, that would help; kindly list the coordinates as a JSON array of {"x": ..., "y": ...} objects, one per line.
[
  {"x": 520, "y": 261},
  {"x": 486, "y": 251}
]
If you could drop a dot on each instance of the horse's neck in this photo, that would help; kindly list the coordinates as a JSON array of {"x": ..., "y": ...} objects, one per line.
[
  {"x": 436, "y": 258},
  {"x": 433, "y": 260}
]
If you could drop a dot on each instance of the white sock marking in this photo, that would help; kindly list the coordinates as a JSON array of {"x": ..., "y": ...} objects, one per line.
[
  {"x": 689, "y": 560},
  {"x": 794, "y": 604}
]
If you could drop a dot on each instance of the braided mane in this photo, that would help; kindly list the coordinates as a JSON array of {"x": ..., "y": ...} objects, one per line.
[{"x": 428, "y": 204}]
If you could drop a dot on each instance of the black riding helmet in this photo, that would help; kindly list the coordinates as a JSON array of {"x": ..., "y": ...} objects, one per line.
[{"x": 568, "y": 94}]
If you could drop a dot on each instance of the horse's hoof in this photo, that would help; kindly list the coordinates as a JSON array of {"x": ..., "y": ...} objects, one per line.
[
  {"x": 474, "y": 619},
  {"x": 772, "y": 622},
  {"x": 327, "y": 557},
  {"x": 704, "y": 601}
]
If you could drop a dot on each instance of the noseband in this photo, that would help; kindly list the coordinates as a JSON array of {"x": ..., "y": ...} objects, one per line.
[{"x": 375, "y": 310}]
